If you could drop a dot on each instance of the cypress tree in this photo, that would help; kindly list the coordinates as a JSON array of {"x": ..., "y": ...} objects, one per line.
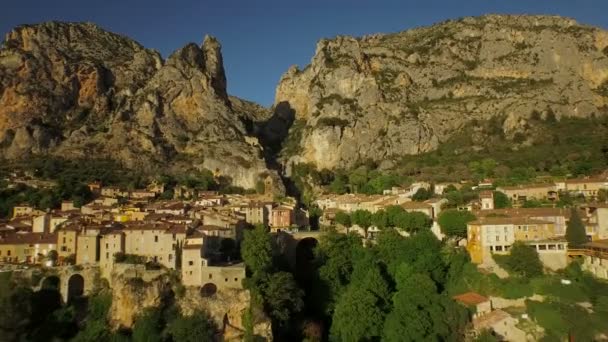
[{"x": 575, "y": 231}]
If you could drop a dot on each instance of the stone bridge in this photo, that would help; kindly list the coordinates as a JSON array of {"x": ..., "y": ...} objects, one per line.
[
  {"x": 71, "y": 281},
  {"x": 297, "y": 246}
]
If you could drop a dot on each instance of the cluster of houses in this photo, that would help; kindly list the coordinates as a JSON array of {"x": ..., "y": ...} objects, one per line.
[
  {"x": 199, "y": 235},
  {"x": 495, "y": 230}
]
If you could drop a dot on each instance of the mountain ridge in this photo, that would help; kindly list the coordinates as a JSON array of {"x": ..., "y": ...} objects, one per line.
[
  {"x": 75, "y": 90},
  {"x": 383, "y": 96}
]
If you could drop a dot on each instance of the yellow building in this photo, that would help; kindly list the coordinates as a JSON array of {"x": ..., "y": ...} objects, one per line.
[
  {"x": 28, "y": 248},
  {"x": 111, "y": 242},
  {"x": 67, "y": 239},
  {"x": 530, "y": 191},
  {"x": 156, "y": 241},
  {"x": 489, "y": 235}
]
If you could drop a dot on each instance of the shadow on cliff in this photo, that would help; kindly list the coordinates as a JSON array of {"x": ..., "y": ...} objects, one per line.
[{"x": 272, "y": 134}]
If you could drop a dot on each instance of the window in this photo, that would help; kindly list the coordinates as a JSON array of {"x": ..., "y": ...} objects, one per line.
[
  {"x": 107, "y": 245},
  {"x": 190, "y": 263},
  {"x": 64, "y": 239},
  {"x": 170, "y": 257},
  {"x": 8, "y": 253},
  {"x": 107, "y": 255},
  {"x": 174, "y": 236},
  {"x": 542, "y": 247},
  {"x": 226, "y": 279},
  {"x": 497, "y": 238},
  {"x": 499, "y": 248},
  {"x": 210, "y": 276},
  {"x": 491, "y": 248},
  {"x": 236, "y": 279},
  {"x": 155, "y": 238}
]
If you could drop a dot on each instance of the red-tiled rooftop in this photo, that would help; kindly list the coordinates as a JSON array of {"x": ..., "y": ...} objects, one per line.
[{"x": 470, "y": 298}]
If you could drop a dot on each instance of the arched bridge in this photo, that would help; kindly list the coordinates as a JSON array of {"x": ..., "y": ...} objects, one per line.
[
  {"x": 297, "y": 245},
  {"x": 71, "y": 281}
]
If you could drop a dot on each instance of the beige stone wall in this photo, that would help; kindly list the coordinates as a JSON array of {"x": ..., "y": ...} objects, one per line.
[
  {"x": 66, "y": 243},
  {"x": 153, "y": 244},
  {"x": 86, "y": 250},
  {"x": 554, "y": 260},
  {"x": 110, "y": 245},
  {"x": 602, "y": 222},
  {"x": 192, "y": 264},
  {"x": 230, "y": 277},
  {"x": 597, "y": 266}
]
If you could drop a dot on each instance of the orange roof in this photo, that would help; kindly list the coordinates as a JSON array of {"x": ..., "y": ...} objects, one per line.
[{"x": 470, "y": 298}]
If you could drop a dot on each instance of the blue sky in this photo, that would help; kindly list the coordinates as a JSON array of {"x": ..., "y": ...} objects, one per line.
[{"x": 262, "y": 38}]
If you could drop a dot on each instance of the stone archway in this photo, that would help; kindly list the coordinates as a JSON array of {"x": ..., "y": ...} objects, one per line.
[
  {"x": 75, "y": 287},
  {"x": 208, "y": 290}
]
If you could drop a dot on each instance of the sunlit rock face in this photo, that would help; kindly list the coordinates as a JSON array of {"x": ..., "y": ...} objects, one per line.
[
  {"x": 73, "y": 89},
  {"x": 380, "y": 97}
]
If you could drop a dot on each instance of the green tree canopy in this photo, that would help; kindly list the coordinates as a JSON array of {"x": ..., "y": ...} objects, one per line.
[
  {"x": 256, "y": 250},
  {"x": 501, "y": 200},
  {"x": 360, "y": 311},
  {"x": 575, "y": 230},
  {"x": 194, "y": 328},
  {"x": 453, "y": 222},
  {"x": 148, "y": 326},
  {"x": 343, "y": 218},
  {"x": 362, "y": 218},
  {"x": 337, "y": 254},
  {"x": 282, "y": 296},
  {"x": 523, "y": 260}
]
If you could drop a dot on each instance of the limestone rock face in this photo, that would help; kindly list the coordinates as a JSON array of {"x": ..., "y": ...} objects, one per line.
[
  {"x": 135, "y": 289},
  {"x": 380, "y": 97},
  {"x": 73, "y": 89},
  {"x": 227, "y": 308}
]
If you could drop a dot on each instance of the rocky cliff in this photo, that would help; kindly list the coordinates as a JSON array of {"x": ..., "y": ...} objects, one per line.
[
  {"x": 135, "y": 289},
  {"x": 73, "y": 89},
  {"x": 380, "y": 97}
]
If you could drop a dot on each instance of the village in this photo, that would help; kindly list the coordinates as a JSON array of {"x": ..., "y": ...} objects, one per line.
[{"x": 199, "y": 232}]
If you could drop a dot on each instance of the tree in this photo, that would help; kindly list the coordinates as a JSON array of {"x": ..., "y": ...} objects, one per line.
[
  {"x": 575, "y": 230},
  {"x": 148, "y": 326},
  {"x": 194, "y": 328},
  {"x": 52, "y": 256},
  {"x": 422, "y": 195},
  {"x": 419, "y": 313},
  {"x": 501, "y": 200},
  {"x": 339, "y": 185},
  {"x": 357, "y": 317},
  {"x": 362, "y": 218},
  {"x": 358, "y": 178},
  {"x": 380, "y": 219},
  {"x": 337, "y": 254},
  {"x": 260, "y": 187},
  {"x": 256, "y": 250},
  {"x": 360, "y": 311},
  {"x": 523, "y": 260},
  {"x": 282, "y": 296},
  {"x": 414, "y": 222},
  {"x": 343, "y": 218},
  {"x": 453, "y": 222}
]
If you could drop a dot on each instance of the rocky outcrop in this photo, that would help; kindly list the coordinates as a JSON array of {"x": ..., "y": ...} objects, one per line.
[
  {"x": 74, "y": 90},
  {"x": 383, "y": 96},
  {"x": 227, "y": 308},
  {"x": 135, "y": 289}
]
